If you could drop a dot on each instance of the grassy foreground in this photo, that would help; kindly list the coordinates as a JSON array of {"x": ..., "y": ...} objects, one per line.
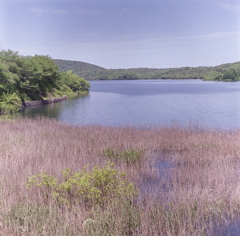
[{"x": 197, "y": 194}]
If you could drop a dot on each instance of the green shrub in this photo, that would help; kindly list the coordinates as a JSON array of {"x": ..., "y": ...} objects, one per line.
[
  {"x": 9, "y": 103},
  {"x": 95, "y": 187},
  {"x": 129, "y": 156}
]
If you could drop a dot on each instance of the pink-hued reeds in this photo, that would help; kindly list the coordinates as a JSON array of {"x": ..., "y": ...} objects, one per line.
[{"x": 198, "y": 193}]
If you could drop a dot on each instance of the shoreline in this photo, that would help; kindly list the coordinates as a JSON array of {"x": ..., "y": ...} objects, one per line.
[{"x": 43, "y": 102}]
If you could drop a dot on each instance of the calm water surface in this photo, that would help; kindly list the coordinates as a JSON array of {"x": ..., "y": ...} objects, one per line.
[{"x": 150, "y": 102}]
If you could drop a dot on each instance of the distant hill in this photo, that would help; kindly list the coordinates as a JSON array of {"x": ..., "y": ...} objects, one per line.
[
  {"x": 92, "y": 72},
  {"x": 227, "y": 65},
  {"x": 76, "y": 66},
  {"x": 82, "y": 69}
]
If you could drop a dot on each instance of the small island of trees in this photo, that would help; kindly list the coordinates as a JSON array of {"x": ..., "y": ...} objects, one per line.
[{"x": 32, "y": 78}]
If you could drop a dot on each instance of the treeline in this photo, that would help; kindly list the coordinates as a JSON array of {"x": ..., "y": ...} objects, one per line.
[
  {"x": 225, "y": 72},
  {"x": 26, "y": 78}
]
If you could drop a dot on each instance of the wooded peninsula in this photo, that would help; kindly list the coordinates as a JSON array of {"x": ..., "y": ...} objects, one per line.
[{"x": 27, "y": 78}]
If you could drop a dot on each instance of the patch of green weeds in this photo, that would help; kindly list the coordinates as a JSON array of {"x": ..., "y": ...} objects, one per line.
[
  {"x": 96, "y": 187},
  {"x": 130, "y": 156}
]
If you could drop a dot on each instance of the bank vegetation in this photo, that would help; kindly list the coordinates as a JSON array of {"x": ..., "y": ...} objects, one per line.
[{"x": 33, "y": 78}]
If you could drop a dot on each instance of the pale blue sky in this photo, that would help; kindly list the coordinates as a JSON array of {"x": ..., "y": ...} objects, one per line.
[{"x": 124, "y": 33}]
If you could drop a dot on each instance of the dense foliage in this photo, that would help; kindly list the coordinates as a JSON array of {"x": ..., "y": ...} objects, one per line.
[
  {"x": 25, "y": 78},
  {"x": 231, "y": 73},
  {"x": 226, "y": 72}
]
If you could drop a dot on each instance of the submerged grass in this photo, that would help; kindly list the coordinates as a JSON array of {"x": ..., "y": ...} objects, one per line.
[
  {"x": 200, "y": 195},
  {"x": 128, "y": 156}
]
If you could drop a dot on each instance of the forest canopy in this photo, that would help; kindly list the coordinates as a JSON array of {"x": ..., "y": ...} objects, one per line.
[
  {"x": 224, "y": 72},
  {"x": 31, "y": 78}
]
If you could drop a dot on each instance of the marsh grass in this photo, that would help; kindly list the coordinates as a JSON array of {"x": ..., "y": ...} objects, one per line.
[{"x": 200, "y": 195}]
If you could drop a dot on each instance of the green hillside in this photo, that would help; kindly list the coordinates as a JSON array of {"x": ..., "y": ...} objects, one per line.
[
  {"x": 226, "y": 72},
  {"x": 77, "y": 66}
]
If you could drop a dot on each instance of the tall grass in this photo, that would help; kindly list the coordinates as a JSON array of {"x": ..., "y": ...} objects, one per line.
[{"x": 197, "y": 194}]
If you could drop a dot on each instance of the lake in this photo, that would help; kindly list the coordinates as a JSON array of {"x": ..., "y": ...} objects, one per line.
[{"x": 140, "y": 103}]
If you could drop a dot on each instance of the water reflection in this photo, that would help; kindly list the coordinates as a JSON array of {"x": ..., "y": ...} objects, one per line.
[{"x": 52, "y": 110}]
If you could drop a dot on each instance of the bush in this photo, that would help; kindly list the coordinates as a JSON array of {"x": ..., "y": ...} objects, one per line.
[
  {"x": 10, "y": 103},
  {"x": 94, "y": 188}
]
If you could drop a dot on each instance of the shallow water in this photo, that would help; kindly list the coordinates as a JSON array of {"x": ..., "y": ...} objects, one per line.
[
  {"x": 156, "y": 181},
  {"x": 227, "y": 229}
]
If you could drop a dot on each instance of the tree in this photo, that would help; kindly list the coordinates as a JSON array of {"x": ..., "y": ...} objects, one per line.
[
  {"x": 74, "y": 82},
  {"x": 40, "y": 73},
  {"x": 230, "y": 75},
  {"x": 33, "y": 78}
]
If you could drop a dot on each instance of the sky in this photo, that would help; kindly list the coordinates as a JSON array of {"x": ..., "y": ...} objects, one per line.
[{"x": 124, "y": 33}]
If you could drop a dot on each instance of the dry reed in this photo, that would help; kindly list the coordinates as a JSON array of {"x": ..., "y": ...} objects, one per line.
[{"x": 196, "y": 194}]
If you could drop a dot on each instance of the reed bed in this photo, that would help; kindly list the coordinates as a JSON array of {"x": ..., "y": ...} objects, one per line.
[{"x": 186, "y": 179}]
